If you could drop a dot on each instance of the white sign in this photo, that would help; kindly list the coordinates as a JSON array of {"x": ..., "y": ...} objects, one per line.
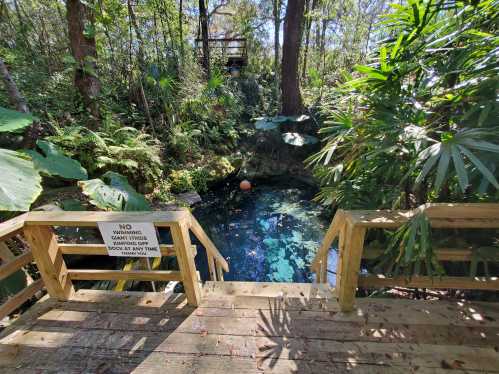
[{"x": 130, "y": 239}]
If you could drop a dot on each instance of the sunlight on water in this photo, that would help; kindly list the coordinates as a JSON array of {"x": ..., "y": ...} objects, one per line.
[{"x": 268, "y": 234}]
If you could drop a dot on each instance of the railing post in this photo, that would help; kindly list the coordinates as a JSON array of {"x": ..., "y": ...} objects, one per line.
[
  {"x": 349, "y": 265},
  {"x": 211, "y": 267},
  {"x": 49, "y": 260},
  {"x": 220, "y": 273},
  {"x": 183, "y": 248}
]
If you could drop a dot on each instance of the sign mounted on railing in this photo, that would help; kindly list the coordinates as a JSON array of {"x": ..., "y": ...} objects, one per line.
[{"x": 131, "y": 239}]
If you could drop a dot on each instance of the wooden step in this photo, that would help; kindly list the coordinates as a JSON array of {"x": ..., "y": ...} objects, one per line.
[{"x": 268, "y": 289}]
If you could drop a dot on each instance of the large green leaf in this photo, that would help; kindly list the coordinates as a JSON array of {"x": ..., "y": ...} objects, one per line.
[
  {"x": 19, "y": 181},
  {"x": 54, "y": 162},
  {"x": 10, "y": 120},
  {"x": 113, "y": 192}
]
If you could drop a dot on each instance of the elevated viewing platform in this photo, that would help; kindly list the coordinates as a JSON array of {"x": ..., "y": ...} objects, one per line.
[{"x": 244, "y": 327}]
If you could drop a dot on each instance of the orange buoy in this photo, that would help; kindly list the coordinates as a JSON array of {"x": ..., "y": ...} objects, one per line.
[{"x": 245, "y": 185}]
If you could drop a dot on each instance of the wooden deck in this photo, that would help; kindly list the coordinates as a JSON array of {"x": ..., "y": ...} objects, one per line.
[{"x": 104, "y": 332}]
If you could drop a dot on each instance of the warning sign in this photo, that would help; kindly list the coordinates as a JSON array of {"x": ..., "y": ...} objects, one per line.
[{"x": 137, "y": 239}]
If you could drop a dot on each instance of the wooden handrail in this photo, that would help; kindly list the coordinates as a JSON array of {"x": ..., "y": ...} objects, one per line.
[
  {"x": 11, "y": 264},
  {"x": 48, "y": 252},
  {"x": 12, "y": 227},
  {"x": 350, "y": 228},
  {"x": 200, "y": 234},
  {"x": 10, "y": 267},
  {"x": 90, "y": 219}
]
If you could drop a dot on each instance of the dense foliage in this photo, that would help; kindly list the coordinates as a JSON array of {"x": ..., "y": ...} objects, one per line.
[{"x": 419, "y": 123}]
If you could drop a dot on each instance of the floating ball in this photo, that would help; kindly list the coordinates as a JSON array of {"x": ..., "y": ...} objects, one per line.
[{"x": 245, "y": 185}]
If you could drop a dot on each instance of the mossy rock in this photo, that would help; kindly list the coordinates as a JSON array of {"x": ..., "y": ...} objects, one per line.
[{"x": 200, "y": 178}]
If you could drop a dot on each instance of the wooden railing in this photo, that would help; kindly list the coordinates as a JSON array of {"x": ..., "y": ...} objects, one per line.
[
  {"x": 12, "y": 264},
  {"x": 350, "y": 227},
  {"x": 48, "y": 252}
]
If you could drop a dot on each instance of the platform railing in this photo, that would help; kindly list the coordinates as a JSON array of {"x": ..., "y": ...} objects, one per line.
[
  {"x": 349, "y": 229},
  {"x": 12, "y": 264},
  {"x": 47, "y": 251}
]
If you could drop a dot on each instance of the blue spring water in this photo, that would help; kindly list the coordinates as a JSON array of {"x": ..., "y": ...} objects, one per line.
[{"x": 269, "y": 234}]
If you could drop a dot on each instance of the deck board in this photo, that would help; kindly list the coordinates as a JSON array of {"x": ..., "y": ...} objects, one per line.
[{"x": 99, "y": 331}]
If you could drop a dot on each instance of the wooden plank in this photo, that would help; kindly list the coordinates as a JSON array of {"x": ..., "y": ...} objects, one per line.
[
  {"x": 182, "y": 243},
  {"x": 139, "y": 275},
  {"x": 443, "y": 254},
  {"x": 441, "y": 216},
  {"x": 90, "y": 219},
  {"x": 100, "y": 249},
  {"x": 12, "y": 227},
  {"x": 341, "y": 251},
  {"x": 118, "y": 343},
  {"x": 462, "y": 210},
  {"x": 127, "y": 298},
  {"x": 15, "y": 264},
  {"x": 48, "y": 258},
  {"x": 98, "y": 360},
  {"x": 465, "y": 283},
  {"x": 5, "y": 253},
  {"x": 211, "y": 267},
  {"x": 352, "y": 254},
  {"x": 267, "y": 289},
  {"x": 278, "y": 325},
  {"x": 200, "y": 234},
  {"x": 20, "y": 298}
]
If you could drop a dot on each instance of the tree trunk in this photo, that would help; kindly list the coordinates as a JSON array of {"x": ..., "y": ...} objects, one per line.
[
  {"x": 181, "y": 32},
  {"x": 290, "y": 84},
  {"x": 322, "y": 52},
  {"x": 308, "y": 27},
  {"x": 80, "y": 17},
  {"x": 203, "y": 20},
  {"x": 33, "y": 132},
  {"x": 142, "y": 63},
  {"x": 277, "y": 27},
  {"x": 16, "y": 99}
]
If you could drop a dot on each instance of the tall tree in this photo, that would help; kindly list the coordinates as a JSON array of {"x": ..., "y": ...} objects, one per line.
[
  {"x": 277, "y": 4},
  {"x": 16, "y": 99},
  {"x": 203, "y": 20},
  {"x": 290, "y": 83},
  {"x": 181, "y": 31},
  {"x": 81, "y": 29},
  {"x": 142, "y": 62},
  {"x": 308, "y": 27}
]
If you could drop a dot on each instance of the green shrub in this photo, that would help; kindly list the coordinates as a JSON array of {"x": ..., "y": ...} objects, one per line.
[{"x": 124, "y": 150}]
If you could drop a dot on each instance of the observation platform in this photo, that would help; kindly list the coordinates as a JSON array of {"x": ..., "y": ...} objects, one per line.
[{"x": 240, "y": 328}]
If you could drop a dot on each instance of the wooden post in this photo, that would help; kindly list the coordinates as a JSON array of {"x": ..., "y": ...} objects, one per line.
[
  {"x": 48, "y": 258},
  {"x": 350, "y": 265},
  {"x": 341, "y": 251},
  {"x": 220, "y": 272},
  {"x": 323, "y": 276},
  {"x": 211, "y": 267},
  {"x": 183, "y": 248}
]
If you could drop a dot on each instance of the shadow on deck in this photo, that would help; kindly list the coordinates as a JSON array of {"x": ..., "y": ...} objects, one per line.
[{"x": 104, "y": 332}]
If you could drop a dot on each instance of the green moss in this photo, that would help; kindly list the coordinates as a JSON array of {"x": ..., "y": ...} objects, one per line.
[{"x": 199, "y": 178}]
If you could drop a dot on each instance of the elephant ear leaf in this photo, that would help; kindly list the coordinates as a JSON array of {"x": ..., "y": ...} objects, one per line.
[
  {"x": 113, "y": 192},
  {"x": 53, "y": 162},
  {"x": 11, "y": 121},
  {"x": 19, "y": 183}
]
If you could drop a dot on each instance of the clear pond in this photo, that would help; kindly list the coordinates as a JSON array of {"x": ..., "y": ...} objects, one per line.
[{"x": 269, "y": 234}]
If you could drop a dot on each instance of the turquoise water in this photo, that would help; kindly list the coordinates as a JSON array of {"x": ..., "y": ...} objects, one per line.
[{"x": 269, "y": 234}]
